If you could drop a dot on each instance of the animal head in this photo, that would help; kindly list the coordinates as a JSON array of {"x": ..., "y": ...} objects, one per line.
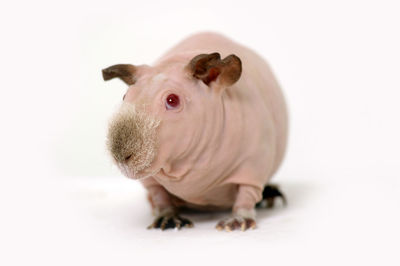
[{"x": 165, "y": 107}]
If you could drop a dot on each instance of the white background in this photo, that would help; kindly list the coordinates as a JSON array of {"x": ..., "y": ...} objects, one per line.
[{"x": 64, "y": 203}]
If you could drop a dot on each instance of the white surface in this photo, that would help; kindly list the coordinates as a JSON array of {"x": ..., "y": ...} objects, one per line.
[{"x": 63, "y": 203}]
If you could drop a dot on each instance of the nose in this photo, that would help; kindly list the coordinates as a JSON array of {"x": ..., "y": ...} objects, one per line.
[
  {"x": 128, "y": 157},
  {"x": 122, "y": 142}
]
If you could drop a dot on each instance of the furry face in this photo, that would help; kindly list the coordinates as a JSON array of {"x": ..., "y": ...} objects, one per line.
[{"x": 132, "y": 139}]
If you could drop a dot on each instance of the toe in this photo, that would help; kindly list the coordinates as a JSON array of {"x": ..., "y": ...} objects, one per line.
[
  {"x": 233, "y": 224},
  {"x": 220, "y": 226},
  {"x": 156, "y": 224},
  {"x": 164, "y": 223},
  {"x": 186, "y": 222},
  {"x": 178, "y": 223},
  {"x": 249, "y": 224},
  {"x": 236, "y": 224}
]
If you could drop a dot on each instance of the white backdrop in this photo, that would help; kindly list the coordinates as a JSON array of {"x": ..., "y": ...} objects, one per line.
[{"x": 62, "y": 200}]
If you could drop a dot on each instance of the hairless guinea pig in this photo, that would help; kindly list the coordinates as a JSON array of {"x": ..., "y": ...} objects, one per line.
[{"x": 200, "y": 131}]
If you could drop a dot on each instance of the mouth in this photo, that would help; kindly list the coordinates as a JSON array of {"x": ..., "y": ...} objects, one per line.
[{"x": 142, "y": 174}]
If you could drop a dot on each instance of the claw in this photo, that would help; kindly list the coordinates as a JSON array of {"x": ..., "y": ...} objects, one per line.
[
  {"x": 187, "y": 223},
  {"x": 178, "y": 223},
  {"x": 220, "y": 226},
  {"x": 164, "y": 223},
  {"x": 156, "y": 223},
  {"x": 243, "y": 226}
]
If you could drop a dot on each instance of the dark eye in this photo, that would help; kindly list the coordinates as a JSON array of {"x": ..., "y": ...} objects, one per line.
[
  {"x": 123, "y": 98},
  {"x": 172, "y": 101}
]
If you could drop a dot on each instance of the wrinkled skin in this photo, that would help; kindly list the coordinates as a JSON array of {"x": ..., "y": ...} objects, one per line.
[{"x": 218, "y": 147}]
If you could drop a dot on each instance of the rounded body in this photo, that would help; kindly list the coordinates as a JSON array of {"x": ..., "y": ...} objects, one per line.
[{"x": 246, "y": 137}]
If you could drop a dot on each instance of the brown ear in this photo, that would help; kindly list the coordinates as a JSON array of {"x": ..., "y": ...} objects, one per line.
[
  {"x": 210, "y": 67},
  {"x": 125, "y": 72}
]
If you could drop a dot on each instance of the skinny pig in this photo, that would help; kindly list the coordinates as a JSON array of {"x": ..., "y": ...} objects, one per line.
[{"x": 203, "y": 128}]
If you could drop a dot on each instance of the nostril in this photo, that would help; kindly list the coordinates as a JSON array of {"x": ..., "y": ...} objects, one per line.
[{"x": 128, "y": 157}]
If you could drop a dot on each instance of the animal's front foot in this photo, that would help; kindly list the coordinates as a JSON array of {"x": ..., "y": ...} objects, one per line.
[
  {"x": 242, "y": 219},
  {"x": 236, "y": 223},
  {"x": 170, "y": 220}
]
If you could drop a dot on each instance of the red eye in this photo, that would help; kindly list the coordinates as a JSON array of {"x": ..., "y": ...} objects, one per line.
[{"x": 172, "y": 101}]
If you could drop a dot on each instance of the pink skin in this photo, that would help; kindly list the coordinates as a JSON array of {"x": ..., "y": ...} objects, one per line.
[{"x": 220, "y": 146}]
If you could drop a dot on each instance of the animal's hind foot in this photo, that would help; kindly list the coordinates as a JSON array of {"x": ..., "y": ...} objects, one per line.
[{"x": 270, "y": 194}]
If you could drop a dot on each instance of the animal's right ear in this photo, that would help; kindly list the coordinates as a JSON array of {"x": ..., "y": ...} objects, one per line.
[
  {"x": 210, "y": 68},
  {"x": 125, "y": 72}
]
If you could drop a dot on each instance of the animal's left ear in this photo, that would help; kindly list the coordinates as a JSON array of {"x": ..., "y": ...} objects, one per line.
[
  {"x": 125, "y": 72},
  {"x": 210, "y": 68}
]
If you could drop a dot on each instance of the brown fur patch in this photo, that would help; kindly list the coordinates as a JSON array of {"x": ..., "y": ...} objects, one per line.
[{"x": 132, "y": 134}]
